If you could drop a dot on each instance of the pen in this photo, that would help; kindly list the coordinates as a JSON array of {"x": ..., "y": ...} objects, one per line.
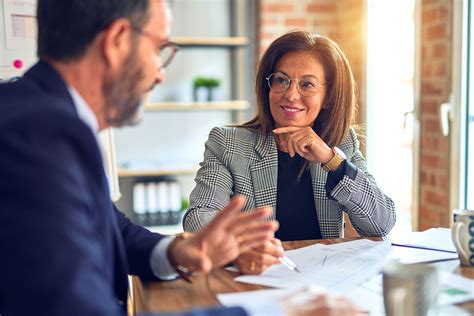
[
  {"x": 324, "y": 260},
  {"x": 289, "y": 263}
]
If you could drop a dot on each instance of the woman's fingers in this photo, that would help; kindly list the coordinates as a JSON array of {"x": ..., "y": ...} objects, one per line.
[
  {"x": 253, "y": 241},
  {"x": 299, "y": 140},
  {"x": 254, "y": 262},
  {"x": 272, "y": 248}
]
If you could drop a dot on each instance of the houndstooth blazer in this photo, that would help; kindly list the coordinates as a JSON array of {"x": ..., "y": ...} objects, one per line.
[{"x": 243, "y": 161}]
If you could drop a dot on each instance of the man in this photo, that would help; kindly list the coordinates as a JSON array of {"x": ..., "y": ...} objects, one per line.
[{"x": 65, "y": 249}]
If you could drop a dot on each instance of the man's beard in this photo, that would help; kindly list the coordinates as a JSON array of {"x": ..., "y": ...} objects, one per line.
[{"x": 122, "y": 100}]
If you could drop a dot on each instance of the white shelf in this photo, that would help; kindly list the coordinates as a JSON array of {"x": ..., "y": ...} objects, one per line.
[
  {"x": 198, "y": 106},
  {"x": 234, "y": 41}
]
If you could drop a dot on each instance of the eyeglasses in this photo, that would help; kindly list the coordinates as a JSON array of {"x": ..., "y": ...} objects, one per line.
[
  {"x": 166, "y": 51},
  {"x": 307, "y": 86}
]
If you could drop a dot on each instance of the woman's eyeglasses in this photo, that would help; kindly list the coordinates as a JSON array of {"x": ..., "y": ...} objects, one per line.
[{"x": 307, "y": 86}]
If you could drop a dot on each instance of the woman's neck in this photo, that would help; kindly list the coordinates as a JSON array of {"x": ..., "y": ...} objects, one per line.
[{"x": 281, "y": 142}]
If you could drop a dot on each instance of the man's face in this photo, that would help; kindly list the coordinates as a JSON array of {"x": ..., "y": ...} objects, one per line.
[{"x": 140, "y": 72}]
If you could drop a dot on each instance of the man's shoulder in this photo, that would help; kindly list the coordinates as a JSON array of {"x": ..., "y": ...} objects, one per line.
[{"x": 22, "y": 102}]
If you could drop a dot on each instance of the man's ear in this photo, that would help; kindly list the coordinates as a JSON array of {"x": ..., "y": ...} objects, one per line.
[{"x": 116, "y": 42}]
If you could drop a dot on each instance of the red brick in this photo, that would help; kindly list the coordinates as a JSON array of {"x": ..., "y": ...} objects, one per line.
[
  {"x": 443, "y": 182},
  {"x": 427, "y": 213},
  {"x": 316, "y": 7},
  {"x": 440, "y": 70},
  {"x": 276, "y": 8},
  {"x": 295, "y": 22},
  {"x": 444, "y": 12},
  {"x": 428, "y": 88},
  {"x": 439, "y": 50},
  {"x": 438, "y": 31},
  {"x": 429, "y": 15},
  {"x": 443, "y": 217},
  {"x": 427, "y": 70},
  {"x": 431, "y": 161},
  {"x": 268, "y": 21},
  {"x": 430, "y": 126},
  {"x": 267, "y": 36},
  {"x": 429, "y": 107},
  {"x": 436, "y": 197}
]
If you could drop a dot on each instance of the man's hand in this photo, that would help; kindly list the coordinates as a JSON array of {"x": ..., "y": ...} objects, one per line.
[
  {"x": 259, "y": 259},
  {"x": 228, "y": 235}
]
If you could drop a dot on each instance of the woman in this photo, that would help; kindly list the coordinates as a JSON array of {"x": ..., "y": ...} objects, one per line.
[{"x": 299, "y": 154}]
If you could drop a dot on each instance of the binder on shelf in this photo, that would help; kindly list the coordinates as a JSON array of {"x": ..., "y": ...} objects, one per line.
[
  {"x": 156, "y": 203},
  {"x": 140, "y": 204},
  {"x": 152, "y": 202},
  {"x": 175, "y": 202},
  {"x": 163, "y": 203}
]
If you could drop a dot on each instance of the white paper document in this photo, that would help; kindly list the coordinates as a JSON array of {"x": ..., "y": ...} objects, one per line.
[
  {"x": 337, "y": 267},
  {"x": 454, "y": 288},
  {"x": 299, "y": 297},
  {"x": 433, "y": 238},
  {"x": 408, "y": 255}
]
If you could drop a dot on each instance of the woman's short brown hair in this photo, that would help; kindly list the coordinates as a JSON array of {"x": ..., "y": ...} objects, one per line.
[{"x": 339, "y": 105}]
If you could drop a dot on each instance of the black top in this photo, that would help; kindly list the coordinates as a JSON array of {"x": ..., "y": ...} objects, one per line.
[{"x": 295, "y": 208}]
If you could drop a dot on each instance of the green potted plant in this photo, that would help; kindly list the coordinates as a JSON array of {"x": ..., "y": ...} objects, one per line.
[{"x": 203, "y": 88}]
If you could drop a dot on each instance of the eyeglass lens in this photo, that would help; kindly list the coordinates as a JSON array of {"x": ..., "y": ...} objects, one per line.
[
  {"x": 166, "y": 55},
  {"x": 306, "y": 86}
]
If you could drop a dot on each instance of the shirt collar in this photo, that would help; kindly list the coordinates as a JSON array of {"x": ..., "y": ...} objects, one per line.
[{"x": 84, "y": 111}]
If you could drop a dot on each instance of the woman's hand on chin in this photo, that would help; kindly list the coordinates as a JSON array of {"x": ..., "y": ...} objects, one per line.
[{"x": 304, "y": 142}]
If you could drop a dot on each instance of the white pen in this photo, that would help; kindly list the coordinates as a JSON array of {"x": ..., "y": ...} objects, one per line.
[{"x": 289, "y": 263}]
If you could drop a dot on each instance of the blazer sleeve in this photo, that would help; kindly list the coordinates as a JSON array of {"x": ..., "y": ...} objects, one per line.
[
  {"x": 139, "y": 243},
  {"x": 49, "y": 238},
  {"x": 371, "y": 212},
  {"x": 214, "y": 183}
]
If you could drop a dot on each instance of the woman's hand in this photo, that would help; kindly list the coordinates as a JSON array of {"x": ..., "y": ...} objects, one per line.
[
  {"x": 305, "y": 142},
  {"x": 259, "y": 259}
]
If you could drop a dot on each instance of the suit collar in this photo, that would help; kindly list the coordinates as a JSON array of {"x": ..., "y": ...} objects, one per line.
[{"x": 49, "y": 80}]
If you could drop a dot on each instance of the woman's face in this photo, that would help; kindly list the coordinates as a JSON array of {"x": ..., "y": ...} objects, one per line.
[{"x": 290, "y": 108}]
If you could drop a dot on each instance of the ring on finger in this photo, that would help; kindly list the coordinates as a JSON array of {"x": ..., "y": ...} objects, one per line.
[{"x": 252, "y": 266}]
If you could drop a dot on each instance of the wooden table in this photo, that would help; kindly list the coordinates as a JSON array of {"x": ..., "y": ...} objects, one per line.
[{"x": 180, "y": 295}]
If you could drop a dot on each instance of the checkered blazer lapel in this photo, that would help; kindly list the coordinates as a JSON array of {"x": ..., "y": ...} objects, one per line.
[{"x": 264, "y": 171}]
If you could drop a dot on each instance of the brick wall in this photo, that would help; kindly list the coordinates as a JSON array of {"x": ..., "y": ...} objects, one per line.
[
  {"x": 435, "y": 89},
  {"x": 280, "y": 16}
]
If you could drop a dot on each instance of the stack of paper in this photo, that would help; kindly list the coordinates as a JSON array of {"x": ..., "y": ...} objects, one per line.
[{"x": 338, "y": 267}]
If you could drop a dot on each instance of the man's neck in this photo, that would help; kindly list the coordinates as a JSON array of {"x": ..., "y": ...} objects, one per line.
[{"x": 85, "y": 76}]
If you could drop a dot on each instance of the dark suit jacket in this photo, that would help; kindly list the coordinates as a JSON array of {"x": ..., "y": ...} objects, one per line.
[{"x": 64, "y": 248}]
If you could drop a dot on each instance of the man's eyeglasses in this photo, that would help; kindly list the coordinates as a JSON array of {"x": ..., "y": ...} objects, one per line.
[
  {"x": 166, "y": 51},
  {"x": 307, "y": 86}
]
